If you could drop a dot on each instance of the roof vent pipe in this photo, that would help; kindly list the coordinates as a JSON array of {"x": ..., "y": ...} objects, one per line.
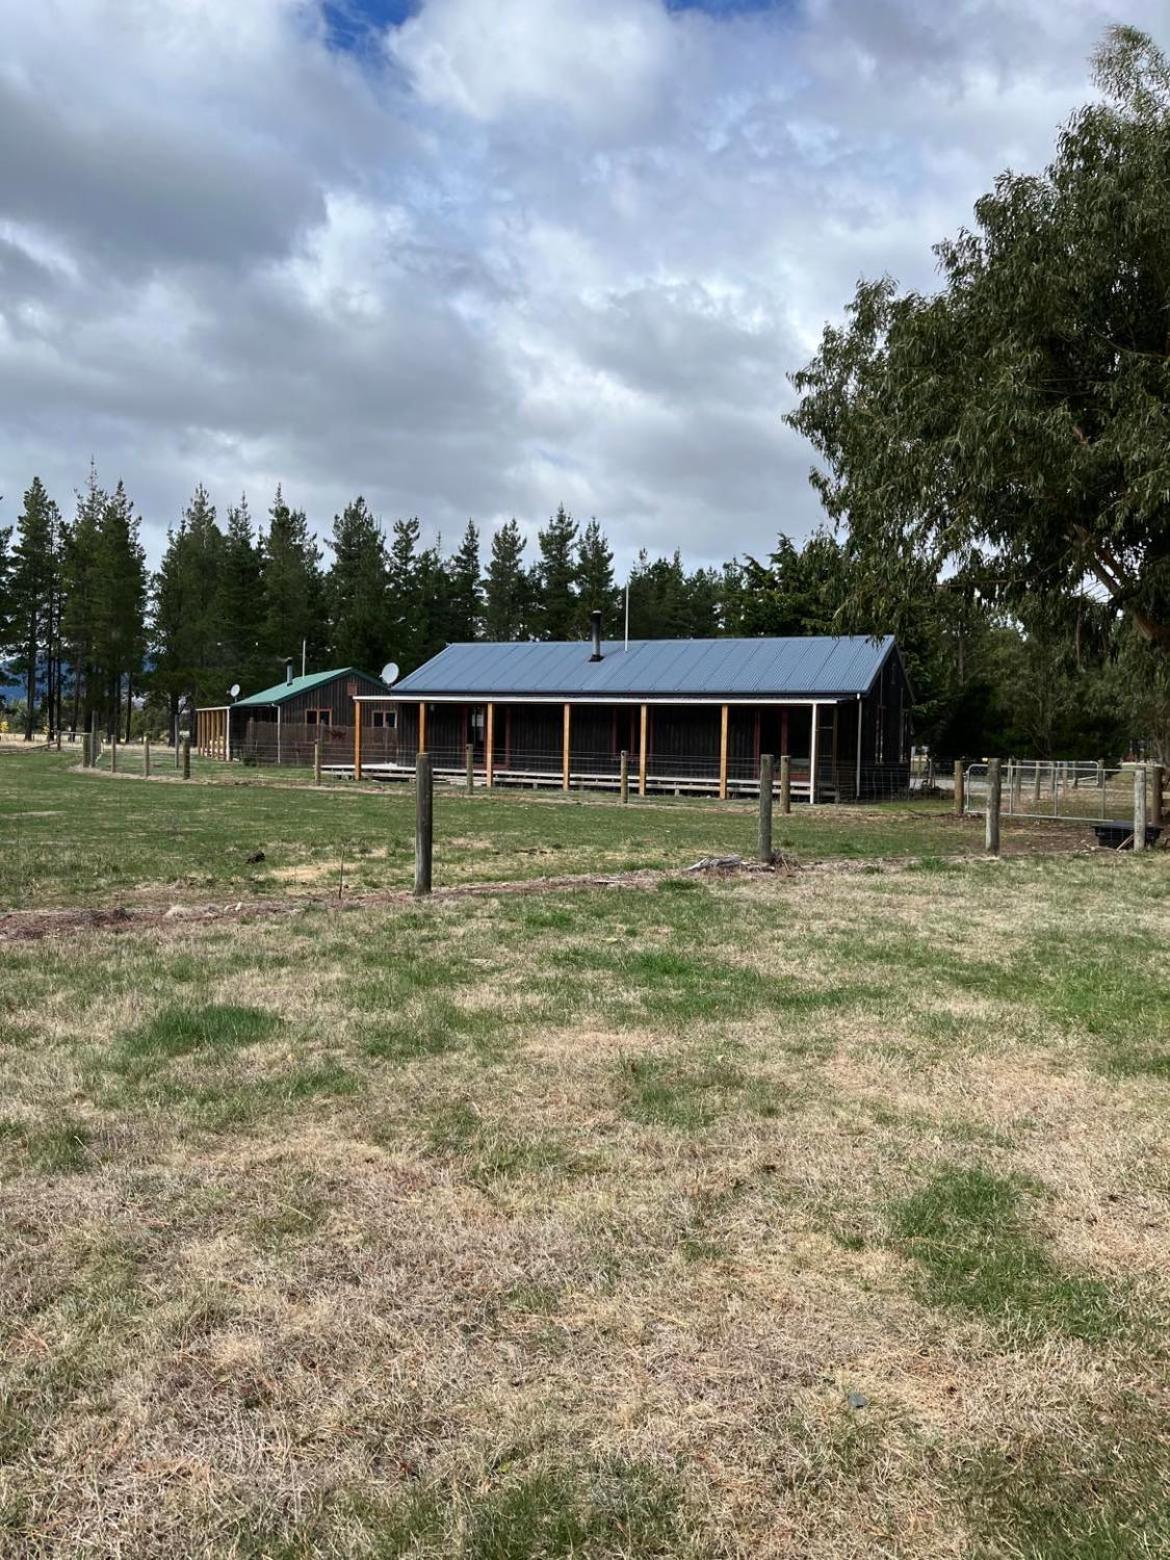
[
  {"x": 288, "y": 677},
  {"x": 595, "y": 617}
]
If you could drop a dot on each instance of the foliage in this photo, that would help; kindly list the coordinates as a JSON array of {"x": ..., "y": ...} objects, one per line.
[{"x": 1014, "y": 425}]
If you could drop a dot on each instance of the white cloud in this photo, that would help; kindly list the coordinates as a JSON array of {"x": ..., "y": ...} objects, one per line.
[
  {"x": 527, "y": 251},
  {"x": 603, "y": 63}
]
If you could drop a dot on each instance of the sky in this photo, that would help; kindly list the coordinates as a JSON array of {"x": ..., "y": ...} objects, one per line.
[{"x": 476, "y": 258}]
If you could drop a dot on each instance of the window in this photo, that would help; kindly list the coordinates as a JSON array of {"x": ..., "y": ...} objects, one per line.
[
  {"x": 385, "y": 720},
  {"x": 317, "y": 717}
]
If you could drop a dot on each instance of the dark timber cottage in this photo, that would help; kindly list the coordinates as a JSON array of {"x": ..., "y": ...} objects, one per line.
[
  {"x": 281, "y": 724},
  {"x": 694, "y": 715}
]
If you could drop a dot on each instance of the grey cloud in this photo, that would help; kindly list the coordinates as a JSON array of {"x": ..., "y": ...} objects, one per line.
[{"x": 249, "y": 259}]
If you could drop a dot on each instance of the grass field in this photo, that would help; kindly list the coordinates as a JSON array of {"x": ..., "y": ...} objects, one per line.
[
  {"x": 823, "y": 1215},
  {"x": 73, "y": 837}
]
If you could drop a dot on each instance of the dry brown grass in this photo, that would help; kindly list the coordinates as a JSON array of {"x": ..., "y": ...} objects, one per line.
[{"x": 276, "y": 1315}]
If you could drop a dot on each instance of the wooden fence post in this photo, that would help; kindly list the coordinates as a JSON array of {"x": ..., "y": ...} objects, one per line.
[
  {"x": 958, "y": 787},
  {"x": 424, "y": 823},
  {"x": 765, "y": 838},
  {"x": 1139, "y": 807},
  {"x": 470, "y": 756},
  {"x": 625, "y": 776},
  {"x": 1156, "y": 781},
  {"x": 186, "y": 758},
  {"x": 114, "y": 754},
  {"x": 994, "y": 789},
  {"x": 146, "y": 757},
  {"x": 317, "y": 762},
  {"x": 1036, "y": 786},
  {"x": 785, "y": 783},
  {"x": 85, "y": 750}
]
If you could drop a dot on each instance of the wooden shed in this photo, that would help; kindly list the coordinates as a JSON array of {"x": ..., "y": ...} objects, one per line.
[
  {"x": 693, "y": 715},
  {"x": 282, "y": 724}
]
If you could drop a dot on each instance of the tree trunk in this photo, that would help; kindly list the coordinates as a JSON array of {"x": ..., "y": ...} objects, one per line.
[{"x": 31, "y": 681}]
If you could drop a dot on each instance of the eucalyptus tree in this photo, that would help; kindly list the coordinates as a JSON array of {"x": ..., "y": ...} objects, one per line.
[{"x": 1015, "y": 424}]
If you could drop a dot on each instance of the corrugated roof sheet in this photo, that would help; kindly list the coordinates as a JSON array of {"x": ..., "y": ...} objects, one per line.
[
  {"x": 281, "y": 691},
  {"x": 654, "y": 668}
]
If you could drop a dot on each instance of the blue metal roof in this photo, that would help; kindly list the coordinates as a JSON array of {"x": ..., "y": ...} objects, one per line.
[{"x": 812, "y": 667}]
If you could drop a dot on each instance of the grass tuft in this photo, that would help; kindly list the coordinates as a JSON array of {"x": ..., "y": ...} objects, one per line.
[
  {"x": 215, "y": 1027},
  {"x": 967, "y": 1232}
]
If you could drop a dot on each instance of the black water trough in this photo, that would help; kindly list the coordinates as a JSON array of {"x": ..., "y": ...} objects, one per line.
[{"x": 1119, "y": 836}]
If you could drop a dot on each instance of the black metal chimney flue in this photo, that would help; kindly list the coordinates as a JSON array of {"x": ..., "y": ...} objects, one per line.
[
  {"x": 596, "y": 619},
  {"x": 288, "y": 676}
]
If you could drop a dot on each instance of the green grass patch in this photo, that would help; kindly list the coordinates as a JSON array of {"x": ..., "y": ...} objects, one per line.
[
  {"x": 213, "y": 1028},
  {"x": 968, "y": 1234},
  {"x": 58, "y": 1146},
  {"x": 489, "y": 1152},
  {"x": 687, "y": 1094}
]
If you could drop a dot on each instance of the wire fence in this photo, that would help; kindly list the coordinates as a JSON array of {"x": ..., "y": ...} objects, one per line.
[{"x": 1065, "y": 790}]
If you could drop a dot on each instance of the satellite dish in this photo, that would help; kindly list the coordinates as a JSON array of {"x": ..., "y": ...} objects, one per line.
[
  {"x": 234, "y": 691},
  {"x": 390, "y": 673}
]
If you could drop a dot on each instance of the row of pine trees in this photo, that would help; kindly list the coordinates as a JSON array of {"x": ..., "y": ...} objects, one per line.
[{"x": 89, "y": 627}]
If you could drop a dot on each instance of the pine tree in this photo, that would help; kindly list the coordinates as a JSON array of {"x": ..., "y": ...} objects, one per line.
[
  {"x": 239, "y": 604},
  {"x": 434, "y": 609},
  {"x": 465, "y": 593},
  {"x": 120, "y": 641},
  {"x": 356, "y": 590},
  {"x": 659, "y": 598},
  {"x": 80, "y": 606},
  {"x": 405, "y": 594},
  {"x": 190, "y": 653},
  {"x": 596, "y": 592},
  {"x": 506, "y": 592},
  {"x": 5, "y": 585},
  {"x": 32, "y": 594},
  {"x": 556, "y": 615},
  {"x": 293, "y": 624}
]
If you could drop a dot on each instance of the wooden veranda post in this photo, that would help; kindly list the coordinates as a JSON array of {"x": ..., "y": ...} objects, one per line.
[
  {"x": 565, "y": 747},
  {"x": 642, "y": 752},
  {"x": 357, "y": 740},
  {"x": 723, "y": 725},
  {"x": 424, "y": 823},
  {"x": 958, "y": 787},
  {"x": 765, "y": 832},
  {"x": 1139, "y": 808},
  {"x": 625, "y": 776},
  {"x": 812, "y": 757},
  {"x": 785, "y": 783},
  {"x": 422, "y": 727},
  {"x": 187, "y": 757},
  {"x": 994, "y": 790},
  {"x": 470, "y": 756},
  {"x": 317, "y": 762},
  {"x": 489, "y": 737},
  {"x": 1156, "y": 782}
]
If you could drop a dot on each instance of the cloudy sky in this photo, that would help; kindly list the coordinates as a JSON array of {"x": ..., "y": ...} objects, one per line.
[{"x": 476, "y": 257}]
